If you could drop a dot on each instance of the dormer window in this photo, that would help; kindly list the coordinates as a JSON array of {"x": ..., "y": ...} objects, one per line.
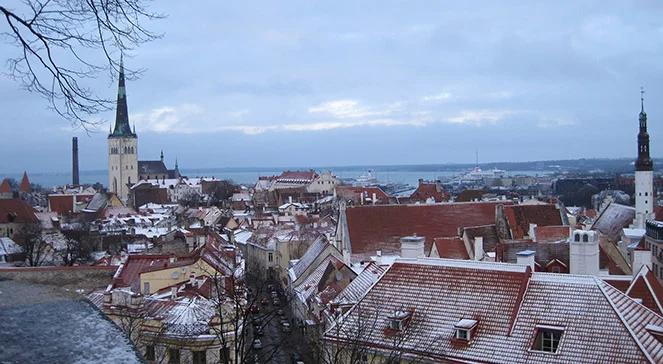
[
  {"x": 547, "y": 338},
  {"x": 399, "y": 320},
  {"x": 464, "y": 329}
]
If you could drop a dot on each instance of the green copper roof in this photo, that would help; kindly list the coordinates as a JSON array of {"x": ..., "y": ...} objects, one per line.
[{"x": 122, "y": 128}]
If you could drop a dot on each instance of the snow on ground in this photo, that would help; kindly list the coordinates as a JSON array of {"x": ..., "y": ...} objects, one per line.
[{"x": 40, "y": 324}]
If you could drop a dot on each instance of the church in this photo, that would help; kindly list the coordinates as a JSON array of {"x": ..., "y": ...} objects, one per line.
[
  {"x": 645, "y": 197},
  {"x": 124, "y": 168}
]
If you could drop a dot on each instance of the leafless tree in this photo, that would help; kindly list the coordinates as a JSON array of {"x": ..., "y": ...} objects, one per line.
[
  {"x": 236, "y": 308},
  {"x": 348, "y": 339},
  {"x": 36, "y": 249},
  {"x": 61, "y": 43}
]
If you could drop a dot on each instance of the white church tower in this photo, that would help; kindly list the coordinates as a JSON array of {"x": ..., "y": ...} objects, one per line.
[
  {"x": 122, "y": 147},
  {"x": 644, "y": 175}
]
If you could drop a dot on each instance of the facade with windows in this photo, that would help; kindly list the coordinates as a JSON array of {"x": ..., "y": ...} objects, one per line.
[{"x": 654, "y": 240}]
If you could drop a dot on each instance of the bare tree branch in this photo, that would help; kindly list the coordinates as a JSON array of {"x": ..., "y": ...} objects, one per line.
[{"x": 60, "y": 42}]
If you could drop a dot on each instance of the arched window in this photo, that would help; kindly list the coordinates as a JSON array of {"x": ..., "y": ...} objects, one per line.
[
  {"x": 585, "y": 238},
  {"x": 577, "y": 237}
]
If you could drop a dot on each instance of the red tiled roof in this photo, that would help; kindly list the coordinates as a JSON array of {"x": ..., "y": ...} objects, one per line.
[
  {"x": 16, "y": 210},
  {"x": 487, "y": 232},
  {"x": 599, "y": 323},
  {"x": 373, "y": 228},
  {"x": 5, "y": 187},
  {"x": 64, "y": 204},
  {"x": 619, "y": 282},
  {"x": 551, "y": 233},
  {"x": 289, "y": 176},
  {"x": 520, "y": 216},
  {"x": 646, "y": 287},
  {"x": 470, "y": 195},
  {"x": 591, "y": 213},
  {"x": 25, "y": 183},
  {"x": 429, "y": 190},
  {"x": 453, "y": 248},
  {"x": 128, "y": 274}
]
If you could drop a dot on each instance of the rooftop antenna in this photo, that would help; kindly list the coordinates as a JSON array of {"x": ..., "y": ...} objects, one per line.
[
  {"x": 476, "y": 152},
  {"x": 642, "y": 99}
]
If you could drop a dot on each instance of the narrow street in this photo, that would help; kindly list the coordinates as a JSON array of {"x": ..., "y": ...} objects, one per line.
[{"x": 277, "y": 344}]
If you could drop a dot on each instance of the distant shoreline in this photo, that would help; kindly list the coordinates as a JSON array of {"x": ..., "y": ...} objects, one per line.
[{"x": 400, "y": 173}]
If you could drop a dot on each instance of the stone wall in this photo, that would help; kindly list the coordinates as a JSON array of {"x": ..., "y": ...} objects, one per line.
[{"x": 85, "y": 277}]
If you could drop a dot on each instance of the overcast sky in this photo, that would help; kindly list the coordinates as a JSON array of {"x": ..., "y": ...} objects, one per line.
[{"x": 307, "y": 83}]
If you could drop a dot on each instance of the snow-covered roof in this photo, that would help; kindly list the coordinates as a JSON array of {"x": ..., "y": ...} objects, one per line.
[
  {"x": 509, "y": 303},
  {"x": 8, "y": 246},
  {"x": 354, "y": 291}
]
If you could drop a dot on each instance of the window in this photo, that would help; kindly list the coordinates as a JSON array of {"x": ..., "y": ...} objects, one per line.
[
  {"x": 547, "y": 339},
  {"x": 395, "y": 324},
  {"x": 577, "y": 237},
  {"x": 149, "y": 353},
  {"x": 464, "y": 329},
  {"x": 270, "y": 257},
  {"x": 399, "y": 319},
  {"x": 199, "y": 357},
  {"x": 585, "y": 238},
  {"x": 462, "y": 334},
  {"x": 173, "y": 356}
]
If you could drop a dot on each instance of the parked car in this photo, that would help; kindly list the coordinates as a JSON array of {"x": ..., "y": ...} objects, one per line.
[
  {"x": 280, "y": 312},
  {"x": 259, "y": 331},
  {"x": 264, "y": 301},
  {"x": 285, "y": 327},
  {"x": 297, "y": 359},
  {"x": 276, "y": 302},
  {"x": 255, "y": 308},
  {"x": 257, "y": 344}
]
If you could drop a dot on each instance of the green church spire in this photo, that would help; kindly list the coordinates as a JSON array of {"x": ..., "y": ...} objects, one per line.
[{"x": 122, "y": 127}]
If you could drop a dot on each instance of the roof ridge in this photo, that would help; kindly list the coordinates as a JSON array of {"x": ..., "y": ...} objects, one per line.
[
  {"x": 600, "y": 284},
  {"x": 521, "y": 298},
  {"x": 462, "y": 263}
]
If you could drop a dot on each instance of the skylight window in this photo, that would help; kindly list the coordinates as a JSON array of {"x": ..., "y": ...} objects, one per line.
[{"x": 548, "y": 338}]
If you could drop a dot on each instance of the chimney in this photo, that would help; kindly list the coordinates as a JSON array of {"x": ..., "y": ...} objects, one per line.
[
  {"x": 378, "y": 258},
  {"x": 74, "y": 162},
  {"x": 478, "y": 248},
  {"x": 532, "y": 231},
  {"x": 412, "y": 246},
  {"x": 640, "y": 258},
  {"x": 173, "y": 293},
  {"x": 375, "y": 197},
  {"x": 584, "y": 252},
  {"x": 192, "y": 279},
  {"x": 526, "y": 257},
  {"x": 290, "y": 199}
]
